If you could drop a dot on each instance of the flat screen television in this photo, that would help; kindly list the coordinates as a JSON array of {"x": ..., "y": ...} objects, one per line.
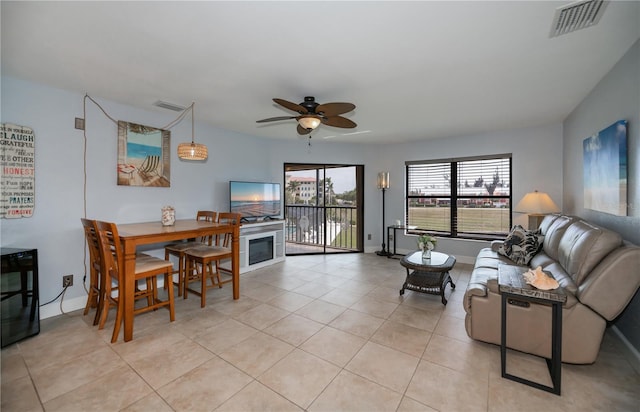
[{"x": 255, "y": 200}]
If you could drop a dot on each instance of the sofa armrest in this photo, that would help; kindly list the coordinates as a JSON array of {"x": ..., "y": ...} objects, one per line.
[
  {"x": 495, "y": 245},
  {"x": 612, "y": 283},
  {"x": 480, "y": 277}
]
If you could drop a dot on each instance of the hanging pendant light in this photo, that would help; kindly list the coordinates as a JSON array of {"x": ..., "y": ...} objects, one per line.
[{"x": 192, "y": 151}]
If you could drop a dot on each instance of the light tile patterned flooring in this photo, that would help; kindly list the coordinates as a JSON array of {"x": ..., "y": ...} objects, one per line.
[{"x": 317, "y": 333}]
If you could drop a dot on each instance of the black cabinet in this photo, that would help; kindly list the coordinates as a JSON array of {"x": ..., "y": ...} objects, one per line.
[{"x": 20, "y": 302}]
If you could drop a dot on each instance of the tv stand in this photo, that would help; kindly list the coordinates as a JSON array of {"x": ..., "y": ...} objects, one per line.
[{"x": 253, "y": 231}]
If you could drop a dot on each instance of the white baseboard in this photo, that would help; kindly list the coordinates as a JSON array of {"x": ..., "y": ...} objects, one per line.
[
  {"x": 632, "y": 355},
  {"x": 68, "y": 305}
]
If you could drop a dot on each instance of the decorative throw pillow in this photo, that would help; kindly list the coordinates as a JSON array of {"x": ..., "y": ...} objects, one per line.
[{"x": 521, "y": 245}]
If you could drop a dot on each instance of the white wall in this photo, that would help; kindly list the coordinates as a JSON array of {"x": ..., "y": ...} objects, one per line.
[
  {"x": 55, "y": 228},
  {"x": 616, "y": 97}
]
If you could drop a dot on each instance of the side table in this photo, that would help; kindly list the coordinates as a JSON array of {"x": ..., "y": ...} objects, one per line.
[
  {"x": 516, "y": 291},
  {"x": 394, "y": 229},
  {"x": 428, "y": 275}
]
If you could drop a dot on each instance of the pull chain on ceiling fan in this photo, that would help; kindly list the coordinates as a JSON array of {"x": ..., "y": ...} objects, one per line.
[{"x": 312, "y": 114}]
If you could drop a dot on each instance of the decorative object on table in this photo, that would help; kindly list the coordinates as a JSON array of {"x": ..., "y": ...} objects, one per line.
[
  {"x": 605, "y": 170},
  {"x": 383, "y": 184},
  {"x": 536, "y": 205},
  {"x": 312, "y": 114},
  {"x": 540, "y": 280},
  {"x": 521, "y": 245},
  {"x": 426, "y": 243},
  {"x": 168, "y": 216},
  {"x": 145, "y": 150},
  {"x": 18, "y": 171},
  {"x": 193, "y": 150}
]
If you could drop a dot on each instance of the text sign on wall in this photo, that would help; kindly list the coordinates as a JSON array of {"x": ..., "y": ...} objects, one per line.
[{"x": 17, "y": 161}]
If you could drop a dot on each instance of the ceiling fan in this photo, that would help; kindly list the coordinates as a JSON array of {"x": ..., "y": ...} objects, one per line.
[{"x": 313, "y": 113}]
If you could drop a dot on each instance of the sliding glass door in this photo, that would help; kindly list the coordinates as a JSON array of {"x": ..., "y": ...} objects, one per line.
[{"x": 323, "y": 208}]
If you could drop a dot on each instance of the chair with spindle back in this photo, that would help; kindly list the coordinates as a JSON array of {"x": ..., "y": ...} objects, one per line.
[
  {"x": 147, "y": 268},
  {"x": 179, "y": 249},
  {"x": 94, "y": 299},
  {"x": 201, "y": 261}
]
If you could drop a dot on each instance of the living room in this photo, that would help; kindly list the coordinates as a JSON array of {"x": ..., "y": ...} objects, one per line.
[{"x": 546, "y": 156}]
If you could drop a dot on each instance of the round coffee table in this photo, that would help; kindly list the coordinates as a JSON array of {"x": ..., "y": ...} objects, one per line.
[{"x": 428, "y": 275}]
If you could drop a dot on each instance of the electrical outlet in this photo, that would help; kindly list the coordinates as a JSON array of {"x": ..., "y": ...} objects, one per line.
[
  {"x": 369, "y": 236},
  {"x": 67, "y": 280},
  {"x": 79, "y": 123},
  {"x": 390, "y": 237}
]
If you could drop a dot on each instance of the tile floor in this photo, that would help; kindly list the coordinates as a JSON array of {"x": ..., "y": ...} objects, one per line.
[{"x": 317, "y": 333}]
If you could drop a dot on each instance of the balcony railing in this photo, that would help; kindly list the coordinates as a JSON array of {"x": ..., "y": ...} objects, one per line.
[{"x": 322, "y": 226}]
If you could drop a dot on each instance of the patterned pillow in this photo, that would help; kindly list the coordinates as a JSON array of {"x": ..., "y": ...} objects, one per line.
[{"x": 521, "y": 245}]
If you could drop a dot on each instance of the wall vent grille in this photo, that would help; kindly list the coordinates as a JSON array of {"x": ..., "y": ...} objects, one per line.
[
  {"x": 577, "y": 15},
  {"x": 169, "y": 106}
]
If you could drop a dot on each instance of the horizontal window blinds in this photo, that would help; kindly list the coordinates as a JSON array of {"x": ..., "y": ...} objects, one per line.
[{"x": 466, "y": 197}]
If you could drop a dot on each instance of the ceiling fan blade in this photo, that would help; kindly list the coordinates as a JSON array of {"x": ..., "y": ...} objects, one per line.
[
  {"x": 338, "y": 121},
  {"x": 334, "y": 109},
  {"x": 302, "y": 130},
  {"x": 291, "y": 106},
  {"x": 273, "y": 119}
]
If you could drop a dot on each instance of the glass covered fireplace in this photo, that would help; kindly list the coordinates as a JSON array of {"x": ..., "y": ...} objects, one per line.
[{"x": 260, "y": 249}]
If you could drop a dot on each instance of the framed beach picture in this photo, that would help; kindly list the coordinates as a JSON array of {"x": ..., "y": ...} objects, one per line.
[
  {"x": 605, "y": 170},
  {"x": 143, "y": 155}
]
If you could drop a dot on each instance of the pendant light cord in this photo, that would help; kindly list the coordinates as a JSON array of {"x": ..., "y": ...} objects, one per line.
[{"x": 84, "y": 167}]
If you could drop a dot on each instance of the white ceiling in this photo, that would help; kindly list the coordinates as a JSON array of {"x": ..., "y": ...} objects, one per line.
[{"x": 415, "y": 70}]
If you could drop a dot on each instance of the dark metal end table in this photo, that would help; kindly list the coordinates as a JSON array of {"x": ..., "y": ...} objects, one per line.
[
  {"x": 516, "y": 291},
  {"x": 428, "y": 275}
]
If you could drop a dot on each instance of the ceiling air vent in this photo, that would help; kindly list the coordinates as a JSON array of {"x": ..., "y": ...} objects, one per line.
[
  {"x": 170, "y": 106},
  {"x": 577, "y": 15}
]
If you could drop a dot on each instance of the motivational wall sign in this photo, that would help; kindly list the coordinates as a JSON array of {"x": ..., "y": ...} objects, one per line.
[{"x": 17, "y": 167}]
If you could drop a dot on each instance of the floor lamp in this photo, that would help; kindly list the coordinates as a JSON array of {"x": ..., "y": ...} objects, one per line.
[{"x": 383, "y": 184}]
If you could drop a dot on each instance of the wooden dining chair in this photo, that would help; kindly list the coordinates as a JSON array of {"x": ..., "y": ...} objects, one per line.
[
  {"x": 179, "y": 249},
  {"x": 203, "y": 262},
  {"x": 147, "y": 268},
  {"x": 94, "y": 299}
]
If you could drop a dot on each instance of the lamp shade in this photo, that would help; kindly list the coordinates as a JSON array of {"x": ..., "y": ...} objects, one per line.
[
  {"x": 383, "y": 180},
  {"x": 536, "y": 203},
  {"x": 309, "y": 122},
  {"x": 192, "y": 151}
]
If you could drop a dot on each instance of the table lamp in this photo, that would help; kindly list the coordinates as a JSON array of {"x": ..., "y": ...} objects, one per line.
[{"x": 536, "y": 205}]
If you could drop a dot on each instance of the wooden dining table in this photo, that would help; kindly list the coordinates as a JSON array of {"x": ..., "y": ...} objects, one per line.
[{"x": 133, "y": 235}]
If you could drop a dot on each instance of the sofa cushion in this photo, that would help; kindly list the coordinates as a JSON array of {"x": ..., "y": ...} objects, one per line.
[
  {"x": 521, "y": 245},
  {"x": 583, "y": 246},
  {"x": 553, "y": 227}
]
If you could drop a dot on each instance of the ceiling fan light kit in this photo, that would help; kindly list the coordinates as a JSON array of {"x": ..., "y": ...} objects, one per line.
[
  {"x": 309, "y": 122},
  {"x": 311, "y": 114}
]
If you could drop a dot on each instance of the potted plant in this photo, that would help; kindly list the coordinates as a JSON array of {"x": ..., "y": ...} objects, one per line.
[{"x": 427, "y": 243}]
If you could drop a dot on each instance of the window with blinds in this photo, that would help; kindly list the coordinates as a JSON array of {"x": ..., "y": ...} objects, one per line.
[{"x": 465, "y": 197}]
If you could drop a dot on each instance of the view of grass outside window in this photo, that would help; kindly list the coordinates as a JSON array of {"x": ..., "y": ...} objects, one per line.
[{"x": 465, "y": 197}]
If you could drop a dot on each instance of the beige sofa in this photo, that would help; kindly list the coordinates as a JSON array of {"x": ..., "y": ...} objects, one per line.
[{"x": 599, "y": 272}]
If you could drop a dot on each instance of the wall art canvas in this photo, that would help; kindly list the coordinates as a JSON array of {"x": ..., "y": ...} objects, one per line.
[
  {"x": 605, "y": 170},
  {"x": 143, "y": 155}
]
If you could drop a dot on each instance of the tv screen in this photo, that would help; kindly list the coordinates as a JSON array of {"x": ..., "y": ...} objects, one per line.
[{"x": 254, "y": 200}]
